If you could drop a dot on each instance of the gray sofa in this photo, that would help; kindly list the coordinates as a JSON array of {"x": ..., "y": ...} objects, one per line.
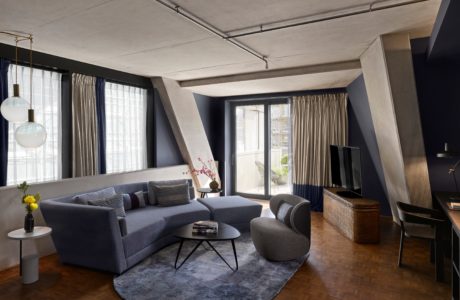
[{"x": 93, "y": 236}]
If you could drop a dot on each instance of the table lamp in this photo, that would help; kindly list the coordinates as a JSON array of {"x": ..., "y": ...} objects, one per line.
[{"x": 451, "y": 154}]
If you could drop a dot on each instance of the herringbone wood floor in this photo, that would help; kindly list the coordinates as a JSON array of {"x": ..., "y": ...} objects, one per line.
[{"x": 336, "y": 269}]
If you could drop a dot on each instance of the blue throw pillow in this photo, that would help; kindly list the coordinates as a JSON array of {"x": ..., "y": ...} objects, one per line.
[
  {"x": 101, "y": 194},
  {"x": 284, "y": 213},
  {"x": 115, "y": 202}
]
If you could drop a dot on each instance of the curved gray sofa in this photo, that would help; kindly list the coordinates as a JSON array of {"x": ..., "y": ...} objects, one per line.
[
  {"x": 93, "y": 236},
  {"x": 278, "y": 242}
]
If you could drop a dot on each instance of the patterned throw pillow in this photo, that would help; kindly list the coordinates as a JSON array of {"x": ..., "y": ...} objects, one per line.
[
  {"x": 115, "y": 202},
  {"x": 284, "y": 213},
  {"x": 101, "y": 194},
  {"x": 170, "y": 195},
  {"x": 134, "y": 200},
  {"x": 152, "y": 198}
]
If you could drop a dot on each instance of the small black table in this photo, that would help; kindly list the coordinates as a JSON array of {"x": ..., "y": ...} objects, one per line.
[
  {"x": 225, "y": 233},
  {"x": 205, "y": 191}
]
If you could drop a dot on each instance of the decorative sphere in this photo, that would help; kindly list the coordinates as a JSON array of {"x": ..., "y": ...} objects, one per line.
[
  {"x": 14, "y": 109},
  {"x": 30, "y": 135}
]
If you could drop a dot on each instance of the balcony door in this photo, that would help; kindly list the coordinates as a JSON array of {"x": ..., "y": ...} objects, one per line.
[{"x": 261, "y": 148}]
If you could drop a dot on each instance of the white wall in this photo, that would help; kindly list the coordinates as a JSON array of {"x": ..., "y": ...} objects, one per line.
[{"x": 12, "y": 211}]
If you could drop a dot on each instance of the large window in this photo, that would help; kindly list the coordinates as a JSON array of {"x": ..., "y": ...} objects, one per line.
[
  {"x": 126, "y": 137},
  {"x": 43, "y": 163}
]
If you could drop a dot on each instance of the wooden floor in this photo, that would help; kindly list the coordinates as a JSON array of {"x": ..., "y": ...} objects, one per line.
[{"x": 336, "y": 269}]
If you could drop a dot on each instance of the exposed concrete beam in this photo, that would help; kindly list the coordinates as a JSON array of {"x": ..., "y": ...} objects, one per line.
[
  {"x": 313, "y": 69},
  {"x": 390, "y": 84},
  {"x": 186, "y": 124}
]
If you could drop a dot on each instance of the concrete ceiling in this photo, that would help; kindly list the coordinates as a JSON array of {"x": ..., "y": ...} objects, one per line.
[{"x": 144, "y": 38}]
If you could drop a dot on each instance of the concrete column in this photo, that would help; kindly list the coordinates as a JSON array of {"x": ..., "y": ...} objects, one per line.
[
  {"x": 184, "y": 117},
  {"x": 390, "y": 84}
]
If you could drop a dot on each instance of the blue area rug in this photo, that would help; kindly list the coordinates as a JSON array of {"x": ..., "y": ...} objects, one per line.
[{"x": 205, "y": 275}]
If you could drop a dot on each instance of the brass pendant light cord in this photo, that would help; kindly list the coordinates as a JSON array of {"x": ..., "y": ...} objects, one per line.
[
  {"x": 17, "y": 40},
  {"x": 31, "y": 70}
]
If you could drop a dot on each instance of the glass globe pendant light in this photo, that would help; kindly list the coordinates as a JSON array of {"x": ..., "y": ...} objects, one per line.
[
  {"x": 14, "y": 108},
  {"x": 30, "y": 134}
]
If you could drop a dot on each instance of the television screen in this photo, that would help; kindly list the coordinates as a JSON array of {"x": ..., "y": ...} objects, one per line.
[{"x": 346, "y": 167}]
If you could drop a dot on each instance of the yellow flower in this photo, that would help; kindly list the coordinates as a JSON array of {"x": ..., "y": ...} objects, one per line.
[
  {"x": 33, "y": 206},
  {"x": 29, "y": 199}
]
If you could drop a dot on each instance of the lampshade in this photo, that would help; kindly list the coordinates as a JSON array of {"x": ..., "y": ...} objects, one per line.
[
  {"x": 14, "y": 108},
  {"x": 30, "y": 134}
]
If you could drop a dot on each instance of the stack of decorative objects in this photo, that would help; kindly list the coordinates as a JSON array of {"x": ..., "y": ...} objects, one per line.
[
  {"x": 15, "y": 109},
  {"x": 205, "y": 227}
]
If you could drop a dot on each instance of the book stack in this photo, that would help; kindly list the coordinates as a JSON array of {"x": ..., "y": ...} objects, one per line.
[
  {"x": 453, "y": 205},
  {"x": 205, "y": 227}
]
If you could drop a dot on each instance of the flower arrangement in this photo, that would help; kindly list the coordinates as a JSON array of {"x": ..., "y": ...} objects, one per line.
[
  {"x": 206, "y": 169},
  {"x": 30, "y": 200}
]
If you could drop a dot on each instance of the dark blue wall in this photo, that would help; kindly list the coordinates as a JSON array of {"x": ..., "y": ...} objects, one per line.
[
  {"x": 167, "y": 151},
  {"x": 438, "y": 89},
  {"x": 211, "y": 112},
  {"x": 361, "y": 134}
]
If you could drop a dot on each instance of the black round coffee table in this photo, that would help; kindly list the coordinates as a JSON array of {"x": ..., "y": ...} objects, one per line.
[{"x": 225, "y": 233}]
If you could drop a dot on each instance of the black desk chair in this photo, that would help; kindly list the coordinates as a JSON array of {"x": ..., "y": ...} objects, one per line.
[{"x": 433, "y": 225}]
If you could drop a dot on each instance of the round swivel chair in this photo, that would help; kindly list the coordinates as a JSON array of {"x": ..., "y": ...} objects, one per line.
[{"x": 277, "y": 241}]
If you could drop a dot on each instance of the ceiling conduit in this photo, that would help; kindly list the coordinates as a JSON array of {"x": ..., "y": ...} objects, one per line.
[{"x": 372, "y": 7}]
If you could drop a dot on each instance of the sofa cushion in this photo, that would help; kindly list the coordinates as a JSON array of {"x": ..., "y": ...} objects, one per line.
[
  {"x": 115, "y": 202},
  {"x": 151, "y": 192},
  {"x": 180, "y": 215},
  {"x": 134, "y": 200},
  {"x": 101, "y": 194},
  {"x": 171, "y": 195},
  {"x": 143, "y": 227},
  {"x": 232, "y": 210}
]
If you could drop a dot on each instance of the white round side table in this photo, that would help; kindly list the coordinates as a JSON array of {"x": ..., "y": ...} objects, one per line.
[{"x": 21, "y": 234}]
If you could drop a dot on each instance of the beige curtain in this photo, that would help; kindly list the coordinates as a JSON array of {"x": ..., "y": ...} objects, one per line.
[
  {"x": 84, "y": 126},
  {"x": 317, "y": 122}
]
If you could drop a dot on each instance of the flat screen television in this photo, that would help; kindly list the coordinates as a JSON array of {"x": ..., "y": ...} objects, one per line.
[{"x": 346, "y": 169}]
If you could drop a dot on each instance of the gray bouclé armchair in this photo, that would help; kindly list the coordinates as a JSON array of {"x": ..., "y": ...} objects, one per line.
[{"x": 287, "y": 239}]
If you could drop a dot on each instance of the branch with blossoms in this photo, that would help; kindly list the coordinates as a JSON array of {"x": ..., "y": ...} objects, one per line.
[{"x": 207, "y": 169}]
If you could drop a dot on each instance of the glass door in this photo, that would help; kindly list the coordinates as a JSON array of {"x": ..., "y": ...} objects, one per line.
[
  {"x": 250, "y": 149},
  {"x": 261, "y": 148}
]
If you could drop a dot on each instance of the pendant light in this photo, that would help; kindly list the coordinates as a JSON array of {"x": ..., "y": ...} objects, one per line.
[
  {"x": 30, "y": 134},
  {"x": 14, "y": 108}
]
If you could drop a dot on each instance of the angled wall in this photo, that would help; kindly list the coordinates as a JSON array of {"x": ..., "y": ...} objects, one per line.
[
  {"x": 183, "y": 115},
  {"x": 389, "y": 77}
]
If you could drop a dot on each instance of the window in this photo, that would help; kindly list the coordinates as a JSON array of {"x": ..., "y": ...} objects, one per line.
[
  {"x": 126, "y": 137},
  {"x": 43, "y": 163}
]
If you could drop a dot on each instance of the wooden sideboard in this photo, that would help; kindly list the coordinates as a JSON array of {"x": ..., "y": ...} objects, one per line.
[{"x": 356, "y": 218}]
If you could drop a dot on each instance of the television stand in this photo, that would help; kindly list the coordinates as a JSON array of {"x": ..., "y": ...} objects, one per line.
[
  {"x": 348, "y": 194},
  {"x": 356, "y": 218}
]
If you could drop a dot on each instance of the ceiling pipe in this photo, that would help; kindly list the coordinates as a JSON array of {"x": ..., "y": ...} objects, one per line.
[
  {"x": 211, "y": 29},
  {"x": 368, "y": 9}
]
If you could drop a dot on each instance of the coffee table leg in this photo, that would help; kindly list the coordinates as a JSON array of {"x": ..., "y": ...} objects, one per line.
[
  {"x": 234, "y": 253},
  {"x": 221, "y": 257},
  {"x": 178, "y": 252},
  {"x": 190, "y": 254}
]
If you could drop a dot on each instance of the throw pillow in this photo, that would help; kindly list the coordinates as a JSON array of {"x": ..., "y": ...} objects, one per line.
[
  {"x": 170, "y": 195},
  {"x": 134, "y": 200},
  {"x": 152, "y": 200},
  {"x": 101, "y": 194},
  {"x": 284, "y": 213},
  {"x": 115, "y": 202}
]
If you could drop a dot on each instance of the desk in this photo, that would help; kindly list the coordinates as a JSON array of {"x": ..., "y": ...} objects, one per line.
[{"x": 454, "y": 217}]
